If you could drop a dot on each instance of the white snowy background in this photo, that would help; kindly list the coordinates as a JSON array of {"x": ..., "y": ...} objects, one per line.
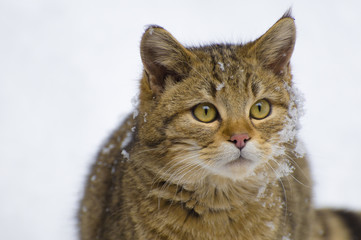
[{"x": 69, "y": 69}]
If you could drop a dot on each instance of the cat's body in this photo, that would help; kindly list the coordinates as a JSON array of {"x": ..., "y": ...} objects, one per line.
[{"x": 211, "y": 151}]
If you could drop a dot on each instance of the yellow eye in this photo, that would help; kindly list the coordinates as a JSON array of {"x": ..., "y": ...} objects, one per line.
[
  {"x": 205, "y": 112},
  {"x": 261, "y": 109}
]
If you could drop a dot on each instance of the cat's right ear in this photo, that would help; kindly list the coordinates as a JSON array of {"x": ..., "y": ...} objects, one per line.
[
  {"x": 162, "y": 56},
  {"x": 274, "y": 49}
]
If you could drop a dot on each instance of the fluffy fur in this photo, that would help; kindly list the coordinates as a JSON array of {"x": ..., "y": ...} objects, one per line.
[{"x": 165, "y": 175}]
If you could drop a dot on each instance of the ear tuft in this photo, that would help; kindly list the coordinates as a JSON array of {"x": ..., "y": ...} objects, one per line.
[
  {"x": 274, "y": 49},
  {"x": 288, "y": 14},
  {"x": 162, "y": 55}
]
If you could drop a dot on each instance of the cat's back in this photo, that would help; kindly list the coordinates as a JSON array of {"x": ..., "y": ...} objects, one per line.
[{"x": 112, "y": 160}]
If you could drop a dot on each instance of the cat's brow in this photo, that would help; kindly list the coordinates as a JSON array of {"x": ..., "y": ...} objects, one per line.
[
  {"x": 255, "y": 88},
  {"x": 212, "y": 90}
]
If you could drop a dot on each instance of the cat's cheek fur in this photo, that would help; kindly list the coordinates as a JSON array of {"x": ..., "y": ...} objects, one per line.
[{"x": 186, "y": 168}]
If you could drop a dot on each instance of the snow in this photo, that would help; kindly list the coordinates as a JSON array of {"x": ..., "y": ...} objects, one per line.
[
  {"x": 135, "y": 113},
  {"x": 300, "y": 149},
  {"x": 295, "y": 111},
  {"x": 125, "y": 154},
  {"x": 128, "y": 138},
  {"x": 68, "y": 70},
  {"x": 286, "y": 238},
  {"x": 145, "y": 117},
  {"x": 93, "y": 178},
  {"x": 284, "y": 169},
  {"x": 221, "y": 66},
  {"x": 261, "y": 192},
  {"x": 271, "y": 225},
  {"x": 220, "y": 86},
  {"x": 289, "y": 133},
  {"x": 106, "y": 150},
  {"x": 135, "y": 103}
]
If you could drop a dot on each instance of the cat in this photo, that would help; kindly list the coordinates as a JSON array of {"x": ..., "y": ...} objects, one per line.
[{"x": 211, "y": 151}]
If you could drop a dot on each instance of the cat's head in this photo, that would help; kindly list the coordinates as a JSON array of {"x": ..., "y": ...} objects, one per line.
[{"x": 225, "y": 110}]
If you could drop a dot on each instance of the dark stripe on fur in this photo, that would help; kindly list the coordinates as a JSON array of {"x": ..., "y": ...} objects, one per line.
[{"x": 353, "y": 221}]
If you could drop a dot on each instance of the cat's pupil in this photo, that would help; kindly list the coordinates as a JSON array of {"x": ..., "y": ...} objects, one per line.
[
  {"x": 259, "y": 107},
  {"x": 205, "y": 108}
]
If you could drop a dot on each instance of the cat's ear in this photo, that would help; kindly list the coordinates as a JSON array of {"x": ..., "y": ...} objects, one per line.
[
  {"x": 274, "y": 49},
  {"x": 162, "y": 56}
]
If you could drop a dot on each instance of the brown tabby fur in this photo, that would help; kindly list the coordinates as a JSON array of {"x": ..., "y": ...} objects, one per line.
[{"x": 165, "y": 175}]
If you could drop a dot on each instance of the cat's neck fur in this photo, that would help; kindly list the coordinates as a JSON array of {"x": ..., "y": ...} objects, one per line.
[{"x": 185, "y": 208}]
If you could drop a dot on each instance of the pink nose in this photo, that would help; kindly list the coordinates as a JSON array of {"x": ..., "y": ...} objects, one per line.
[{"x": 240, "y": 139}]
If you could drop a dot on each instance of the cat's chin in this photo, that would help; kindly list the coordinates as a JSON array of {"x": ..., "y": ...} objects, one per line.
[
  {"x": 237, "y": 169},
  {"x": 239, "y": 162}
]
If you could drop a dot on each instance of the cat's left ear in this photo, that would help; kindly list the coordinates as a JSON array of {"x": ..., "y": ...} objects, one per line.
[
  {"x": 274, "y": 49},
  {"x": 163, "y": 56}
]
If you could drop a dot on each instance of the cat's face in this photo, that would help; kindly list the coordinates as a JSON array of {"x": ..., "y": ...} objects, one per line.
[{"x": 218, "y": 110}]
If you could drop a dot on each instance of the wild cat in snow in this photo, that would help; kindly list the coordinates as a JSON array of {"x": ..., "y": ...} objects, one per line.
[{"x": 211, "y": 151}]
